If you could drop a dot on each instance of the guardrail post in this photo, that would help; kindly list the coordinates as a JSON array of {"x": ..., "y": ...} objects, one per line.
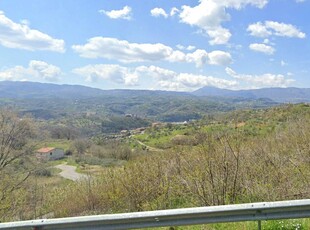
[{"x": 259, "y": 225}]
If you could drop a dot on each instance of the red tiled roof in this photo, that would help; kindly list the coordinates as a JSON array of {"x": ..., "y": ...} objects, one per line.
[{"x": 45, "y": 150}]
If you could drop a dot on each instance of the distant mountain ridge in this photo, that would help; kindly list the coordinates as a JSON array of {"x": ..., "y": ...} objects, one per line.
[
  {"x": 35, "y": 90},
  {"x": 281, "y": 95},
  {"x": 17, "y": 89},
  {"x": 24, "y": 90},
  {"x": 51, "y": 101}
]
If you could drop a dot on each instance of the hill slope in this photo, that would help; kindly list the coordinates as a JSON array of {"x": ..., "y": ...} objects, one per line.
[
  {"x": 10, "y": 89},
  {"x": 281, "y": 95},
  {"x": 50, "y": 101}
]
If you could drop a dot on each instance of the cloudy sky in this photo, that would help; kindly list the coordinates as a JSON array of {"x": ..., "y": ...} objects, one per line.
[{"x": 157, "y": 44}]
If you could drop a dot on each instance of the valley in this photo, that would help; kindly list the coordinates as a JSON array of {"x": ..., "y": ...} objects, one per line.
[{"x": 211, "y": 151}]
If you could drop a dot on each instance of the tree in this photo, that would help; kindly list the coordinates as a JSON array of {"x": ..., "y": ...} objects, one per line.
[
  {"x": 81, "y": 145},
  {"x": 14, "y": 165}
]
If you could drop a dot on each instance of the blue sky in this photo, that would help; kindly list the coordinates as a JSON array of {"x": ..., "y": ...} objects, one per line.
[{"x": 178, "y": 45}]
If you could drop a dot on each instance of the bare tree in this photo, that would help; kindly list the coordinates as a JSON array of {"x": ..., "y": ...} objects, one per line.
[{"x": 14, "y": 151}]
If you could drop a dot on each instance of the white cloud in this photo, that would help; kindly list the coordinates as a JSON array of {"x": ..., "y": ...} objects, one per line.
[
  {"x": 289, "y": 74},
  {"x": 180, "y": 47},
  {"x": 219, "y": 36},
  {"x": 262, "y": 48},
  {"x": 25, "y": 22},
  {"x": 269, "y": 28},
  {"x": 171, "y": 80},
  {"x": 124, "y": 13},
  {"x": 259, "y": 30},
  {"x": 299, "y": 1},
  {"x": 218, "y": 57},
  {"x": 112, "y": 48},
  {"x": 198, "y": 81},
  {"x": 155, "y": 72},
  {"x": 123, "y": 51},
  {"x": 260, "y": 81},
  {"x": 239, "y": 4},
  {"x": 283, "y": 63},
  {"x": 36, "y": 70},
  {"x": 201, "y": 57},
  {"x": 189, "y": 48},
  {"x": 284, "y": 30},
  {"x": 163, "y": 78},
  {"x": 209, "y": 15},
  {"x": 166, "y": 79},
  {"x": 21, "y": 36},
  {"x": 115, "y": 73},
  {"x": 266, "y": 41},
  {"x": 157, "y": 12},
  {"x": 174, "y": 11}
]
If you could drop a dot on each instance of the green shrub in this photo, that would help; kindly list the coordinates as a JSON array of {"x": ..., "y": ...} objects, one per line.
[{"x": 43, "y": 172}]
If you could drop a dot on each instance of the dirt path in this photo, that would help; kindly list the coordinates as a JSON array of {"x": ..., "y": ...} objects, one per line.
[
  {"x": 150, "y": 148},
  {"x": 68, "y": 172}
]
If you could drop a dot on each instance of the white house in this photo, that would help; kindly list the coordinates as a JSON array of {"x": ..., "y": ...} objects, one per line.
[{"x": 48, "y": 153}]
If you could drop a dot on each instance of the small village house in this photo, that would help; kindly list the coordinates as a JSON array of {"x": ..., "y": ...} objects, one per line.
[{"x": 49, "y": 153}]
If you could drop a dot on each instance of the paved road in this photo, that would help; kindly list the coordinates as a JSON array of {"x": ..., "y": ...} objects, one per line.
[{"x": 68, "y": 172}]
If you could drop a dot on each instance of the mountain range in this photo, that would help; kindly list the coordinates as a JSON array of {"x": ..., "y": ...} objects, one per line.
[
  {"x": 280, "y": 95},
  {"x": 28, "y": 90},
  {"x": 35, "y": 90}
]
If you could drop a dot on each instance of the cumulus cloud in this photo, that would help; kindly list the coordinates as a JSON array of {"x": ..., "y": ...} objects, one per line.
[
  {"x": 269, "y": 50},
  {"x": 112, "y": 48},
  {"x": 166, "y": 79},
  {"x": 123, "y": 51},
  {"x": 174, "y": 11},
  {"x": 209, "y": 15},
  {"x": 21, "y": 36},
  {"x": 160, "y": 12},
  {"x": 157, "y": 12},
  {"x": 124, "y": 13},
  {"x": 259, "y": 30},
  {"x": 198, "y": 81},
  {"x": 201, "y": 57},
  {"x": 219, "y": 36},
  {"x": 115, "y": 73},
  {"x": 269, "y": 28},
  {"x": 260, "y": 81},
  {"x": 36, "y": 70},
  {"x": 189, "y": 48},
  {"x": 163, "y": 78},
  {"x": 218, "y": 57}
]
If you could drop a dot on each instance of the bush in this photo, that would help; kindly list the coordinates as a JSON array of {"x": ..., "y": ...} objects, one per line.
[{"x": 43, "y": 172}]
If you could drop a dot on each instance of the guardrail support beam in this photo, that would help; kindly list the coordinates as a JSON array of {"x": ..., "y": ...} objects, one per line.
[{"x": 176, "y": 217}]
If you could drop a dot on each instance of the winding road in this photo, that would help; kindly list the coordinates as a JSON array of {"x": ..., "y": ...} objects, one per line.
[{"x": 68, "y": 172}]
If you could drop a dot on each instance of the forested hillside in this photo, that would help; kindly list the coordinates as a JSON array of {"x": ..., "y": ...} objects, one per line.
[{"x": 91, "y": 111}]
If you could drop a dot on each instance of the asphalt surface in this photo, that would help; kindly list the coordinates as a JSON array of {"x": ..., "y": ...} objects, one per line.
[{"x": 68, "y": 172}]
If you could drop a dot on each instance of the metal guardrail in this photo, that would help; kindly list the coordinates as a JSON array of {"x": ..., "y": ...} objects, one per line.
[{"x": 175, "y": 217}]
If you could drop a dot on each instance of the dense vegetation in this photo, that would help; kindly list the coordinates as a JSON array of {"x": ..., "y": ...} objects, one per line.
[
  {"x": 85, "y": 111},
  {"x": 223, "y": 158},
  {"x": 219, "y": 164}
]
